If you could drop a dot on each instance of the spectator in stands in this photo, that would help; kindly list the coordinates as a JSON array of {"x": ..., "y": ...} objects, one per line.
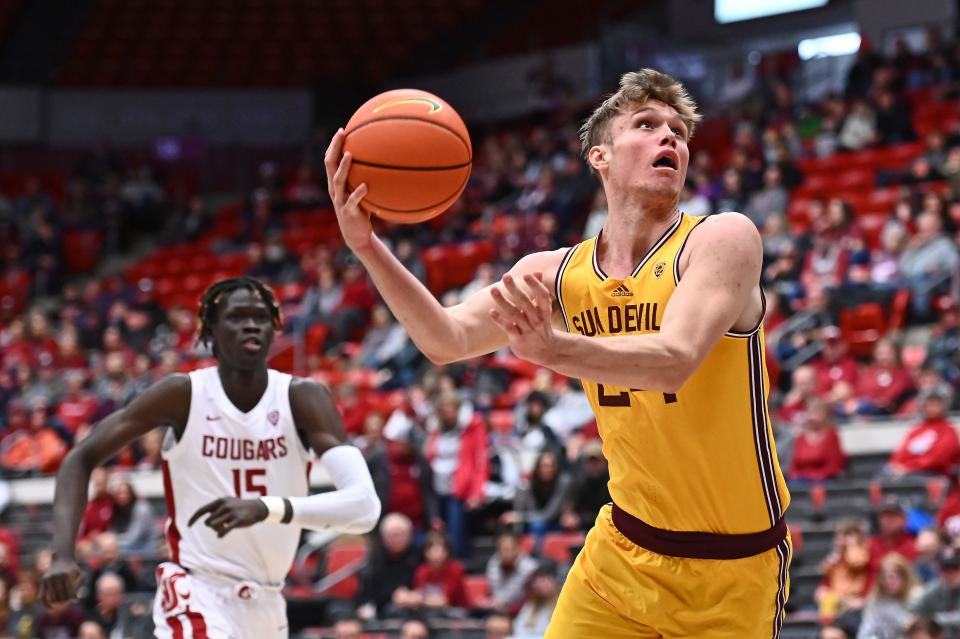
[
  {"x": 929, "y": 542},
  {"x": 415, "y": 629},
  {"x": 882, "y": 386},
  {"x": 109, "y": 560},
  {"x": 41, "y": 448},
  {"x": 538, "y": 504},
  {"x": 924, "y": 629},
  {"x": 305, "y": 187},
  {"x": 893, "y": 119},
  {"x": 692, "y": 202},
  {"x": 27, "y": 606},
  {"x": 349, "y": 628},
  {"x": 79, "y": 406},
  {"x": 411, "y": 490},
  {"x": 772, "y": 199},
  {"x": 534, "y": 616},
  {"x": 588, "y": 490},
  {"x": 931, "y": 447},
  {"x": 885, "y": 614},
  {"x": 438, "y": 582},
  {"x": 817, "y": 453},
  {"x": 91, "y": 630},
  {"x": 535, "y": 436},
  {"x": 508, "y": 571},
  {"x": 831, "y": 631},
  {"x": 892, "y": 536},
  {"x": 150, "y": 447},
  {"x": 133, "y": 520},
  {"x": 846, "y": 572},
  {"x": 388, "y": 575},
  {"x": 406, "y": 252},
  {"x": 929, "y": 260},
  {"x": 835, "y": 365},
  {"x": 497, "y": 626},
  {"x": 58, "y": 621},
  {"x": 885, "y": 261},
  {"x": 940, "y": 599},
  {"x": 111, "y": 613},
  {"x": 859, "y": 129},
  {"x": 457, "y": 451},
  {"x": 98, "y": 514},
  {"x": 387, "y": 347},
  {"x": 943, "y": 349}
]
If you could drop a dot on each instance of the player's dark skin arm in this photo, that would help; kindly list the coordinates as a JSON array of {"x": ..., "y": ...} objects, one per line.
[
  {"x": 317, "y": 419},
  {"x": 165, "y": 403}
]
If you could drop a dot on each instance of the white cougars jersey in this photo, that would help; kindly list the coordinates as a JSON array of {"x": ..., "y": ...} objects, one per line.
[{"x": 226, "y": 453}]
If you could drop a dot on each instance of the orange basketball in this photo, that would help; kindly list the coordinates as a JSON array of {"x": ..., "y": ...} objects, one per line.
[{"x": 412, "y": 150}]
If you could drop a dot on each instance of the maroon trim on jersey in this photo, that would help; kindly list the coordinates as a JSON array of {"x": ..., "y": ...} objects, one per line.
[
  {"x": 697, "y": 545},
  {"x": 197, "y": 624},
  {"x": 171, "y": 530},
  {"x": 764, "y": 449}
]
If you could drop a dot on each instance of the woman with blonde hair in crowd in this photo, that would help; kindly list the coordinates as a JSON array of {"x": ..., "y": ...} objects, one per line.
[{"x": 885, "y": 615}]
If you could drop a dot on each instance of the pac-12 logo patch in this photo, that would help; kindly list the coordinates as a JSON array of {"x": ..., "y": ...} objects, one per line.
[
  {"x": 658, "y": 269},
  {"x": 273, "y": 417}
]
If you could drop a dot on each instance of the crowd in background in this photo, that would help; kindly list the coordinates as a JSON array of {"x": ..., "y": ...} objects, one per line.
[{"x": 444, "y": 471}]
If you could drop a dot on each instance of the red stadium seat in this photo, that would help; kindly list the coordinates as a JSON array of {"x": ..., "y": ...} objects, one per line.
[
  {"x": 557, "y": 546},
  {"x": 347, "y": 557},
  {"x": 862, "y": 327},
  {"x": 477, "y": 590}
]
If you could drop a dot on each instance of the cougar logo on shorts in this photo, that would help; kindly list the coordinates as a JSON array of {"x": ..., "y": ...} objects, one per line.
[
  {"x": 273, "y": 417},
  {"x": 173, "y": 591}
]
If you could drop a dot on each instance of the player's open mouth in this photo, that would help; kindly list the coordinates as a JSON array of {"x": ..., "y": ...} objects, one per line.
[
  {"x": 252, "y": 345},
  {"x": 666, "y": 161}
]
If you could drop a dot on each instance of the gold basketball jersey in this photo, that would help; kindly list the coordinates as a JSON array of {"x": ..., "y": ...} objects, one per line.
[{"x": 702, "y": 459}]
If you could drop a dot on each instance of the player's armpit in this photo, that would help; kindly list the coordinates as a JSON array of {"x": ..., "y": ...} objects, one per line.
[{"x": 477, "y": 333}]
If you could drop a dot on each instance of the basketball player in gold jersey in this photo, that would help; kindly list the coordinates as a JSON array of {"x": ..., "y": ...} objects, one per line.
[{"x": 694, "y": 543}]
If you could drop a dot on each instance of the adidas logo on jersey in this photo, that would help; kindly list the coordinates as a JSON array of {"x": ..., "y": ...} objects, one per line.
[{"x": 621, "y": 291}]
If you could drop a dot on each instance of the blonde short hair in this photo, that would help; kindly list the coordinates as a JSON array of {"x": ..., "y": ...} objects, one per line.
[{"x": 638, "y": 87}]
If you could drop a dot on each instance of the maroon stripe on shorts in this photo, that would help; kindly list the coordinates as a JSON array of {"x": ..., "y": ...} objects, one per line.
[
  {"x": 697, "y": 545},
  {"x": 176, "y": 627},
  {"x": 198, "y": 625}
]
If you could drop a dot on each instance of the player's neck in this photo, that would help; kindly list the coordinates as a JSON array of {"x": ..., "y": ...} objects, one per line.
[
  {"x": 629, "y": 233},
  {"x": 243, "y": 387}
]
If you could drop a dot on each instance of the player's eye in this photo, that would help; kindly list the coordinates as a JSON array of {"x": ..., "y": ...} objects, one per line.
[
  {"x": 644, "y": 124},
  {"x": 678, "y": 132}
]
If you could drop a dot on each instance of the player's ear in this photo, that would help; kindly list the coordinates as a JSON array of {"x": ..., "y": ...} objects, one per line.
[{"x": 597, "y": 156}]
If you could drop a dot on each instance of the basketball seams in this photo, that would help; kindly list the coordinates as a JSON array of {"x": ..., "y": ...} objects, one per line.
[
  {"x": 466, "y": 143},
  {"x": 393, "y": 167},
  {"x": 449, "y": 198}
]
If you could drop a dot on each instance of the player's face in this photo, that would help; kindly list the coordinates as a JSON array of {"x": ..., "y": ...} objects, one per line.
[
  {"x": 648, "y": 151},
  {"x": 244, "y": 330}
]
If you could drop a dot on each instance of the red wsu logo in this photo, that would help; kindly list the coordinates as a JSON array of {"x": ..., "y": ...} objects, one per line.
[
  {"x": 172, "y": 590},
  {"x": 273, "y": 417}
]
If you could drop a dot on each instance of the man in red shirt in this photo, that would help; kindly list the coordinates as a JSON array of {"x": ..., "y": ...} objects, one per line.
[
  {"x": 834, "y": 365},
  {"x": 817, "y": 453},
  {"x": 930, "y": 447},
  {"x": 892, "y": 536}
]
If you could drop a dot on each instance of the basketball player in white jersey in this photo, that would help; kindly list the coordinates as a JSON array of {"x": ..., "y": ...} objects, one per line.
[{"x": 236, "y": 456}]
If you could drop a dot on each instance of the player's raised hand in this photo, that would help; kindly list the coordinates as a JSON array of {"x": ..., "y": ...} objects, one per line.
[
  {"x": 524, "y": 312},
  {"x": 61, "y": 582},
  {"x": 228, "y": 513},
  {"x": 354, "y": 222}
]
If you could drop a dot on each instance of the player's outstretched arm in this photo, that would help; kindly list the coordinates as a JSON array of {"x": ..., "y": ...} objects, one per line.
[
  {"x": 166, "y": 402},
  {"x": 352, "y": 508},
  {"x": 443, "y": 334},
  {"x": 718, "y": 287}
]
